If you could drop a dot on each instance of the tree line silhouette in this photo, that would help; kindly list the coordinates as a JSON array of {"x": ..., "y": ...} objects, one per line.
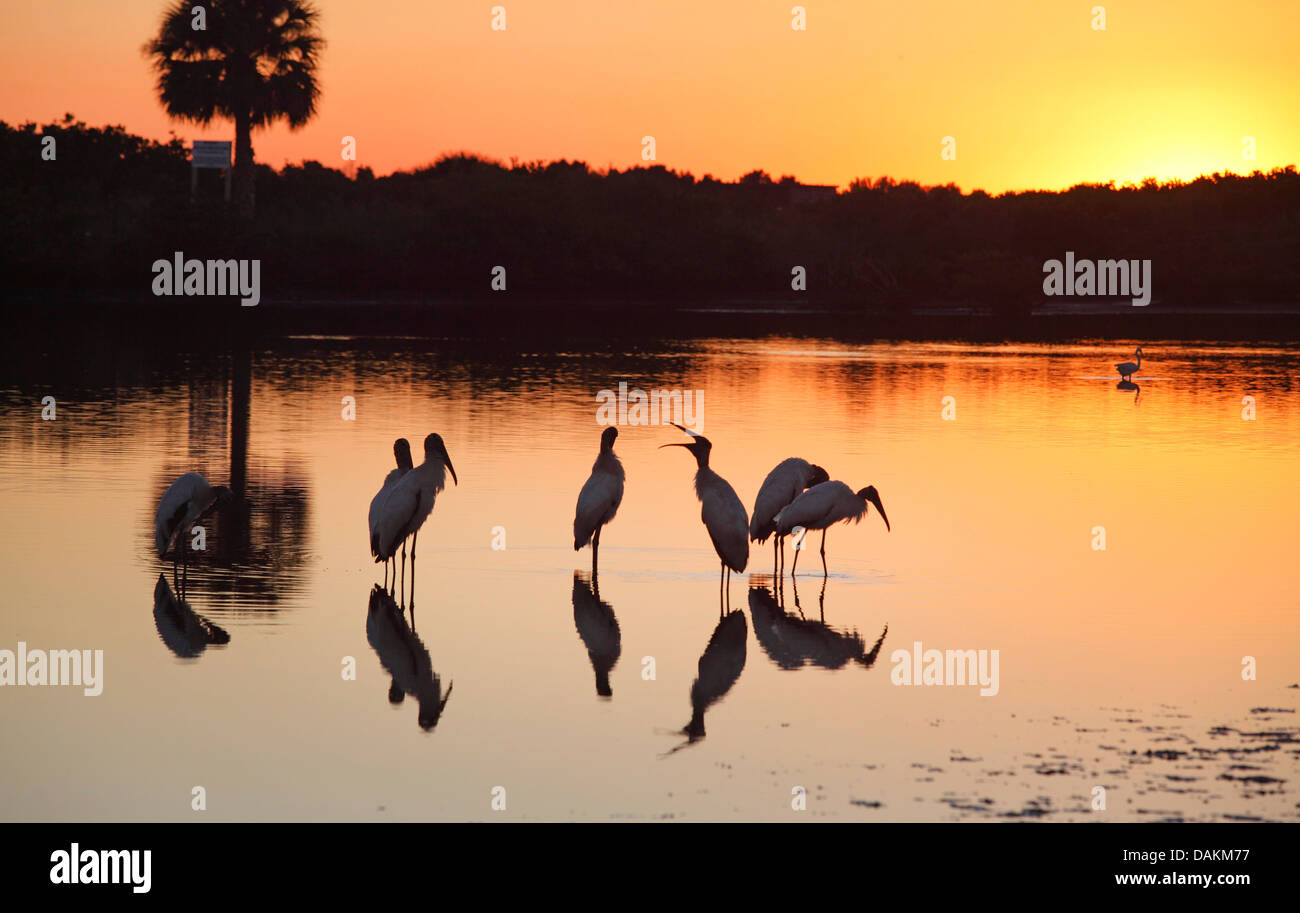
[{"x": 92, "y": 220}]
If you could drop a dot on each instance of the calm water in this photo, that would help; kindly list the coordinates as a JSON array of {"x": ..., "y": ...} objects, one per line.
[{"x": 1119, "y": 669}]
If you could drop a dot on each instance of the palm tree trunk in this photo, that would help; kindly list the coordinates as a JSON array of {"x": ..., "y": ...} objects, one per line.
[{"x": 243, "y": 176}]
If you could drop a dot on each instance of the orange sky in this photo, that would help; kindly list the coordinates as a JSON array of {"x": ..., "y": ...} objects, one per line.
[{"x": 1033, "y": 95}]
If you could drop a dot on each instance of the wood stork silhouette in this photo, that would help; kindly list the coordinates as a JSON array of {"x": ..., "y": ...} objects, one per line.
[
  {"x": 402, "y": 453},
  {"x": 185, "y": 502},
  {"x": 600, "y": 496},
  {"x": 824, "y": 505},
  {"x": 410, "y": 502},
  {"x": 721, "y": 510},
  {"x": 783, "y": 484}
]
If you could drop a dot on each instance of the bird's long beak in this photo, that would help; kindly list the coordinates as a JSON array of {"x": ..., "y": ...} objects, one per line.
[
  {"x": 662, "y": 446},
  {"x": 874, "y": 497},
  {"x": 447, "y": 460}
]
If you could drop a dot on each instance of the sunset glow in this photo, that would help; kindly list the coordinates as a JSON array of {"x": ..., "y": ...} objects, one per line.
[{"x": 1032, "y": 93}]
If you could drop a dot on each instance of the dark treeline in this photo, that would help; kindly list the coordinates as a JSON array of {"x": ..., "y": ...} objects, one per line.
[{"x": 93, "y": 220}]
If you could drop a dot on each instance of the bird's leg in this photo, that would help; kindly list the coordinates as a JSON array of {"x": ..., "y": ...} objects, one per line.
[
  {"x": 775, "y": 551},
  {"x": 821, "y": 602},
  {"x": 414, "y": 537},
  {"x": 722, "y": 576},
  {"x": 595, "y": 551},
  {"x": 794, "y": 565},
  {"x": 824, "y": 571}
]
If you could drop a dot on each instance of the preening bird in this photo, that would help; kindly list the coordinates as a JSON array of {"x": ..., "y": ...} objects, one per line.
[
  {"x": 600, "y": 496},
  {"x": 1127, "y": 369},
  {"x": 824, "y": 505},
  {"x": 721, "y": 511},
  {"x": 410, "y": 502},
  {"x": 402, "y": 453},
  {"x": 782, "y": 485},
  {"x": 185, "y": 502}
]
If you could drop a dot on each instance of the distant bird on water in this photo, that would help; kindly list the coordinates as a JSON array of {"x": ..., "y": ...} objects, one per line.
[
  {"x": 410, "y": 502},
  {"x": 721, "y": 511},
  {"x": 1127, "y": 369},
  {"x": 185, "y": 502},
  {"x": 402, "y": 452},
  {"x": 782, "y": 485},
  {"x": 824, "y": 505},
  {"x": 600, "y": 496}
]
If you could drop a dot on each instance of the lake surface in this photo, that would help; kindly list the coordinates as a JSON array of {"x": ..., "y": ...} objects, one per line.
[{"x": 1119, "y": 668}]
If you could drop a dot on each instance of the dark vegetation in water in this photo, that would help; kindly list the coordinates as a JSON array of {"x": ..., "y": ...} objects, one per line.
[{"x": 94, "y": 220}]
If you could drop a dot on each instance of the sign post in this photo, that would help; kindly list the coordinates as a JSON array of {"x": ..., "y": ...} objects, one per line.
[{"x": 209, "y": 155}]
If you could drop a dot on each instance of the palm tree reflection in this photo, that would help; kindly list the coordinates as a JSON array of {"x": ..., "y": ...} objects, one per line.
[
  {"x": 598, "y": 628},
  {"x": 405, "y": 657}
]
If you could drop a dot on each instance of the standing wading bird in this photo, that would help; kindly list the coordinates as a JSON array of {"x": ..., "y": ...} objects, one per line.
[
  {"x": 1127, "y": 369},
  {"x": 185, "y": 502},
  {"x": 600, "y": 496},
  {"x": 402, "y": 452},
  {"x": 823, "y": 505},
  {"x": 410, "y": 502},
  {"x": 721, "y": 511},
  {"x": 782, "y": 485}
]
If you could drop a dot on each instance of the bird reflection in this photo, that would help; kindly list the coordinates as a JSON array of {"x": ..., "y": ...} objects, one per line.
[
  {"x": 1129, "y": 386},
  {"x": 720, "y": 667},
  {"x": 597, "y": 627},
  {"x": 185, "y": 632},
  {"x": 405, "y": 658},
  {"x": 792, "y": 641}
]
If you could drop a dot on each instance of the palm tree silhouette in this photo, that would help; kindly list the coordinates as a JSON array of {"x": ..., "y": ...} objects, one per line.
[{"x": 253, "y": 61}]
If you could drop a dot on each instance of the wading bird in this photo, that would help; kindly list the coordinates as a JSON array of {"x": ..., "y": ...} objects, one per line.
[
  {"x": 1128, "y": 369},
  {"x": 410, "y": 502},
  {"x": 782, "y": 485},
  {"x": 721, "y": 511},
  {"x": 824, "y": 505},
  {"x": 402, "y": 452},
  {"x": 185, "y": 502},
  {"x": 600, "y": 496}
]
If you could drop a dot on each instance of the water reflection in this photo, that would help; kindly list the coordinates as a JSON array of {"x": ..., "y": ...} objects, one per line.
[
  {"x": 598, "y": 627},
  {"x": 1128, "y": 386},
  {"x": 185, "y": 632},
  {"x": 719, "y": 668},
  {"x": 405, "y": 658},
  {"x": 793, "y": 641}
]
